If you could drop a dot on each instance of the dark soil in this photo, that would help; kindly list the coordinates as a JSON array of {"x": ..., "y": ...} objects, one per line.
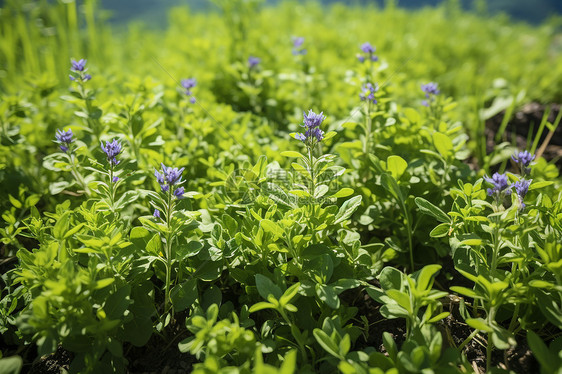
[{"x": 519, "y": 128}]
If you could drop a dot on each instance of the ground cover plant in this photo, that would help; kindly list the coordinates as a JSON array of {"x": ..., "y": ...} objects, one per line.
[{"x": 278, "y": 190}]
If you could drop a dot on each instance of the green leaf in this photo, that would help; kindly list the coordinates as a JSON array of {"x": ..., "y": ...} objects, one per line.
[
  {"x": 396, "y": 165},
  {"x": 102, "y": 283},
  {"x": 61, "y": 226},
  {"x": 328, "y": 295},
  {"x": 439, "y": 317},
  {"x": 11, "y": 365},
  {"x": 289, "y": 293},
  {"x": 118, "y": 302},
  {"x": 549, "y": 362},
  {"x": 443, "y": 144},
  {"x": 390, "y": 184},
  {"x": 428, "y": 208},
  {"x": 289, "y": 363},
  {"x": 266, "y": 287},
  {"x": 390, "y": 278},
  {"x": 344, "y": 192},
  {"x": 327, "y": 343},
  {"x": 440, "y": 230},
  {"x": 537, "y": 185},
  {"x": 502, "y": 338},
  {"x": 260, "y": 306},
  {"x": 320, "y": 191},
  {"x": 471, "y": 242},
  {"x": 271, "y": 228},
  {"x": 389, "y": 345},
  {"x": 184, "y": 294},
  {"x": 15, "y": 202},
  {"x": 139, "y": 329},
  {"x": 401, "y": 298},
  {"x": 74, "y": 230},
  {"x": 291, "y": 154},
  {"x": 479, "y": 324},
  {"x": 425, "y": 276},
  {"x": 347, "y": 209},
  {"x": 465, "y": 291}
]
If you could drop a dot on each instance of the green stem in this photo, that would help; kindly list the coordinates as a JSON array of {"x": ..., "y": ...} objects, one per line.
[
  {"x": 467, "y": 340},
  {"x": 297, "y": 338},
  {"x": 496, "y": 244},
  {"x": 168, "y": 251},
  {"x": 77, "y": 174}
]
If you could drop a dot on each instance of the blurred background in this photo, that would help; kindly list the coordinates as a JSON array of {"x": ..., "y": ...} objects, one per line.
[{"x": 155, "y": 12}]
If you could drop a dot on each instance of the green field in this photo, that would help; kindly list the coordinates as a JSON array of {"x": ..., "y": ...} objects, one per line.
[{"x": 294, "y": 188}]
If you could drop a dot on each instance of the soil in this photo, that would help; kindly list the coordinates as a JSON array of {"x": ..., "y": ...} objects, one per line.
[{"x": 522, "y": 122}]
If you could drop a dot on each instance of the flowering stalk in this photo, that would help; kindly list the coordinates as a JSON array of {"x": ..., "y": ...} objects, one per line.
[
  {"x": 368, "y": 55},
  {"x": 79, "y": 75},
  {"x": 499, "y": 190},
  {"x": 112, "y": 150},
  {"x": 311, "y": 137},
  {"x": 65, "y": 140},
  {"x": 432, "y": 91},
  {"x": 169, "y": 180},
  {"x": 368, "y": 94}
]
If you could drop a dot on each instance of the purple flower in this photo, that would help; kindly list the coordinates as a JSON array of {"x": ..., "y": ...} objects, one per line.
[
  {"x": 500, "y": 184},
  {"x": 369, "y": 52},
  {"x": 521, "y": 188},
  {"x": 253, "y": 61},
  {"x": 368, "y": 92},
  {"x": 430, "y": 89},
  {"x": 523, "y": 158},
  {"x": 178, "y": 193},
  {"x": 297, "y": 46},
  {"x": 78, "y": 66},
  {"x": 192, "y": 100},
  {"x": 156, "y": 213},
  {"x": 367, "y": 48},
  {"x": 115, "y": 179},
  {"x": 64, "y": 138},
  {"x": 188, "y": 84},
  {"x": 170, "y": 177},
  {"x": 313, "y": 120},
  {"x": 112, "y": 150},
  {"x": 311, "y": 123}
]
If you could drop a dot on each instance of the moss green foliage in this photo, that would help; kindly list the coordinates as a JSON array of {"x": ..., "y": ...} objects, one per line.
[{"x": 205, "y": 216}]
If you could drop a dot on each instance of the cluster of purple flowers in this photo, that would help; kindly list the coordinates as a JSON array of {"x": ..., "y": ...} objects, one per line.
[
  {"x": 368, "y": 92},
  {"x": 523, "y": 159},
  {"x": 253, "y": 61},
  {"x": 298, "y": 48},
  {"x": 112, "y": 150},
  {"x": 311, "y": 123},
  {"x": 431, "y": 90},
  {"x": 78, "y": 69},
  {"x": 368, "y": 53},
  {"x": 169, "y": 177},
  {"x": 500, "y": 184},
  {"x": 187, "y": 85},
  {"x": 64, "y": 138}
]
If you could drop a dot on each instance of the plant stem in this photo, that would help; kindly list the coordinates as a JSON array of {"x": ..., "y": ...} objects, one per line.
[{"x": 168, "y": 251}]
